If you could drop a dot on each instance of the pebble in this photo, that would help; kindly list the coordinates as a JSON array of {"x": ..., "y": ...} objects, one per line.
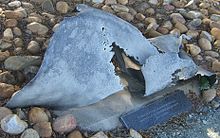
[
  {"x": 193, "y": 49},
  {"x": 44, "y": 129},
  {"x": 110, "y": 2},
  {"x": 4, "y": 55},
  {"x": 162, "y": 30},
  {"x": 135, "y": 134},
  {"x": 153, "y": 2},
  {"x": 217, "y": 43},
  {"x": 34, "y": 19},
  {"x": 99, "y": 135},
  {"x": 140, "y": 16},
  {"x": 212, "y": 54},
  {"x": 194, "y": 14},
  {"x": 141, "y": 6},
  {"x": 7, "y": 77},
  {"x": 4, "y": 112},
  {"x": 215, "y": 17},
  {"x": 119, "y": 8},
  {"x": 126, "y": 16},
  {"x": 181, "y": 27},
  {"x": 149, "y": 20},
  {"x": 216, "y": 33},
  {"x": 14, "y": 4},
  {"x": 4, "y": 45},
  {"x": 18, "y": 42},
  {"x": 55, "y": 27},
  {"x": 17, "y": 31},
  {"x": 168, "y": 25},
  {"x": 213, "y": 24},
  {"x": 75, "y": 134},
  {"x": 205, "y": 44},
  {"x": 194, "y": 24},
  {"x": 11, "y": 23},
  {"x": 177, "y": 17},
  {"x": 12, "y": 124},
  {"x": 8, "y": 35},
  {"x": 192, "y": 33},
  {"x": 206, "y": 35},
  {"x": 175, "y": 32},
  {"x": 21, "y": 62},
  {"x": 36, "y": 115},
  {"x": 38, "y": 28},
  {"x": 123, "y": 2},
  {"x": 47, "y": 6},
  {"x": 6, "y": 90},
  {"x": 30, "y": 133},
  {"x": 33, "y": 47},
  {"x": 209, "y": 95},
  {"x": 216, "y": 66},
  {"x": 150, "y": 12},
  {"x": 63, "y": 7},
  {"x": 64, "y": 124}
]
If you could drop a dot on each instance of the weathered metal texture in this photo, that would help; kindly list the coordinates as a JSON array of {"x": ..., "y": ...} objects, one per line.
[{"x": 76, "y": 70}]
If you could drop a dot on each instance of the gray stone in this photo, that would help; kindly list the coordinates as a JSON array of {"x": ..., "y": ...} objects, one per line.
[
  {"x": 4, "y": 45},
  {"x": 8, "y": 35},
  {"x": 212, "y": 54},
  {"x": 206, "y": 35},
  {"x": 7, "y": 77},
  {"x": 12, "y": 124},
  {"x": 30, "y": 133},
  {"x": 215, "y": 17},
  {"x": 205, "y": 44},
  {"x": 4, "y": 55},
  {"x": 33, "y": 47},
  {"x": 194, "y": 23},
  {"x": 37, "y": 28},
  {"x": 47, "y": 6},
  {"x": 21, "y": 62},
  {"x": 119, "y": 8},
  {"x": 14, "y": 4}
]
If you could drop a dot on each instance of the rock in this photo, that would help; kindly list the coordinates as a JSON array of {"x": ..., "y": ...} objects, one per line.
[
  {"x": 126, "y": 16},
  {"x": 6, "y": 90},
  {"x": 217, "y": 43},
  {"x": 28, "y": 6},
  {"x": 75, "y": 134},
  {"x": 193, "y": 49},
  {"x": 4, "y": 45},
  {"x": 18, "y": 42},
  {"x": 107, "y": 9},
  {"x": 33, "y": 47},
  {"x": 119, "y": 8},
  {"x": 18, "y": 51},
  {"x": 212, "y": 54},
  {"x": 205, "y": 44},
  {"x": 192, "y": 33},
  {"x": 30, "y": 133},
  {"x": 44, "y": 129},
  {"x": 17, "y": 31},
  {"x": 12, "y": 124},
  {"x": 110, "y": 2},
  {"x": 64, "y": 124},
  {"x": 140, "y": 16},
  {"x": 195, "y": 23},
  {"x": 34, "y": 19},
  {"x": 21, "y": 12},
  {"x": 37, "y": 1},
  {"x": 47, "y": 6},
  {"x": 168, "y": 25},
  {"x": 36, "y": 115},
  {"x": 209, "y": 95},
  {"x": 7, "y": 77},
  {"x": 181, "y": 27},
  {"x": 55, "y": 27},
  {"x": 123, "y": 2},
  {"x": 153, "y": 2},
  {"x": 11, "y": 14},
  {"x": 99, "y": 135},
  {"x": 21, "y": 62},
  {"x": 215, "y": 17},
  {"x": 175, "y": 32},
  {"x": 178, "y": 4},
  {"x": 141, "y": 7},
  {"x": 213, "y": 24},
  {"x": 8, "y": 35},
  {"x": 216, "y": 66},
  {"x": 135, "y": 134},
  {"x": 21, "y": 114},
  {"x": 63, "y": 7},
  {"x": 168, "y": 7},
  {"x": 4, "y": 55},
  {"x": 38, "y": 28},
  {"x": 177, "y": 17},
  {"x": 162, "y": 30},
  {"x": 149, "y": 20},
  {"x": 11, "y": 23},
  {"x": 14, "y": 4},
  {"x": 216, "y": 33},
  {"x": 4, "y": 112},
  {"x": 215, "y": 104},
  {"x": 206, "y": 35},
  {"x": 194, "y": 14},
  {"x": 152, "y": 33},
  {"x": 150, "y": 12}
]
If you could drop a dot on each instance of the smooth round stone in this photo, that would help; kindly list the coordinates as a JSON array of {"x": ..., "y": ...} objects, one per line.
[
  {"x": 17, "y": 31},
  {"x": 213, "y": 24},
  {"x": 75, "y": 134},
  {"x": 14, "y": 4},
  {"x": 47, "y": 6},
  {"x": 126, "y": 16},
  {"x": 194, "y": 23},
  {"x": 206, "y": 35},
  {"x": 149, "y": 20},
  {"x": 18, "y": 42},
  {"x": 216, "y": 33},
  {"x": 4, "y": 55},
  {"x": 150, "y": 12},
  {"x": 119, "y": 8},
  {"x": 217, "y": 43},
  {"x": 192, "y": 33},
  {"x": 177, "y": 17},
  {"x": 215, "y": 17},
  {"x": 44, "y": 129},
  {"x": 63, "y": 7},
  {"x": 11, "y": 23},
  {"x": 7, "y": 77},
  {"x": 181, "y": 27},
  {"x": 163, "y": 30},
  {"x": 193, "y": 49},
  {"x": 212, "y": 54},
  {"x": 33, "y": 47},
  {"x": 140, "y": 16},
  {"x": 7, "y": 34},
  {"x": 175, "y": 32},
  {"x": 37, "y": 115},
  {"x": 168, "y": 25},
  {"x": 107, "y": 9},
  {"x": 37, "y": 28},
  {"x": 4, "y": 112},
  {"x": 216, "y": 66},
  {"x": 205, "y": 44},
  {"x": 6, "y": 90},
  {"x": 123, "y": 2},
  {"x": 110, "y": 2},
  {"x": 30, "y": 133},
  {"x": 12, "y": 124}
]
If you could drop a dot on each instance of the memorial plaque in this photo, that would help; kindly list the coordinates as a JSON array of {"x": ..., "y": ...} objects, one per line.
[{"x": 157, "y": 111}]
